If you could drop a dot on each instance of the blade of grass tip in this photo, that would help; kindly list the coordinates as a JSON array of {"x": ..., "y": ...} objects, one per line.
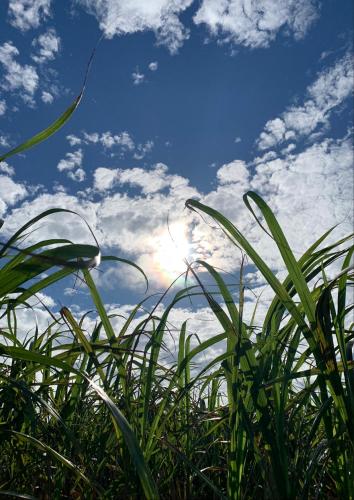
[
  {"x": 44, "y": 134},
  {"x": 292, "y": 266},
  {"x": 303, "y": 261},
  {"x": 94, "y": 260},
  {"x": 21, "y": 256},
  {"x": 62, "y": 256},
  {"x": 234, "y": 234},
  {"x": 100, "y": 307},
  {"x": 59, "y": 122},
  {"x": 26, "y": 226},
  {"x": 130, "y": 263}
]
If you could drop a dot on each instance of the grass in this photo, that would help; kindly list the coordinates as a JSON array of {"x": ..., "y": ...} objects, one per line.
[{"x": 98, "y": 414}]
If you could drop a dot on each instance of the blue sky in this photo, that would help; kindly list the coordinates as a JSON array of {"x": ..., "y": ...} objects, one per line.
[{"x": 186, "y": 98}]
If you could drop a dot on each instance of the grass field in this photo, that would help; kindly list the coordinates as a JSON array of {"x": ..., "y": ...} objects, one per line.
[{"x": 97, "y": 415}]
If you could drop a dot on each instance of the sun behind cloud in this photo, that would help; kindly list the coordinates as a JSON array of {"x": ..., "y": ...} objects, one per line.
[{"x": 172, "y": 250}]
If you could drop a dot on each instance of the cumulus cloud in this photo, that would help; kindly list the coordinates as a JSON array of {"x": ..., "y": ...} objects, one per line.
[
  {"x": 313, "y": 189},
  {"x": 148, "y": 181},
  {"x": 233, "y": 172},
  {"x": 4, "y": 141},
  {"x": 59, "y": 225},
  {"x": 73, "y": 140},
  {"x": 17, "y": 77},
  {"x": 330, "y": 89},
  {"x": 106, "y": 139},
  {"x": 47, "y": 46},
  {"x": 7, "y": 169},
  {"x": 137, "y": 77},
  {"x": 256, "y": 23},
  {"x": 109, "y": 140},
  {"x": 27, "y": 14},
  {"x": 47, "y": 97},
  {"x": 105, "y": 178},
  {"x": 153, "y": 65},
  {"x": 78, "y": 175},
  {"x": 143, "y": 149},
  {"x": 72, "y": 164},
  {"x": 70, "y": 161},
  {"x": 119, "y": 17},
  {"x": 11, "y": 192}
]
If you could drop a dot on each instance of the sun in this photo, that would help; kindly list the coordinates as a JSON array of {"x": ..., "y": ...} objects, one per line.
[{"x": 172, "y": 250}]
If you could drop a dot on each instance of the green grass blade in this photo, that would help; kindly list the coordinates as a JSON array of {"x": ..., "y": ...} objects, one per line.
[{"x": 47, "y": 132}]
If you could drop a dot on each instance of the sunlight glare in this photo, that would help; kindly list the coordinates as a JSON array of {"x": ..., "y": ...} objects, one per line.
[{"x": 172, "y": 250}]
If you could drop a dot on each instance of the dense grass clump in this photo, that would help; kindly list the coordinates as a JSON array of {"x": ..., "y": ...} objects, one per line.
[{"x": 96, "y": 414}]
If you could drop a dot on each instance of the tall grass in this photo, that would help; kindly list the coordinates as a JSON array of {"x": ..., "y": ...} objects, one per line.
[{"x": 96, "y": 414}]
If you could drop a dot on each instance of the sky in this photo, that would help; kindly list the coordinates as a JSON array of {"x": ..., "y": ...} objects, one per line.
[{"x": 185, "y": 99}]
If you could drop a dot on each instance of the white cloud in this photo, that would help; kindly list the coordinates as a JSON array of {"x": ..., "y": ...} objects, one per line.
[
  {"x": 309, "y": 192},
  {"x": 47, "y": 97},
  {"x": 256, "y": 23},
  {"x": 73, "y": 140},
  {"x": 124, "y": 140},
  {"x": 78, "y": 176},
  {"x": 143, "y": 149},
  {"x": 72, "y": 164},
  {"x": 7, "y": 169},
  {"x": 2, "y": 107},
  {"x": 110, "y": 140},
  {"x": 28, "y": 320},
  {"x": 41, "y": 299},
  {"x": 104, "y": 178},
  {"x": 137, "y": 77},
  {"x": 153, "y": 65},
  {"x": 47, "y": 46},
  {"x": 94, "y": 137},
  {"x": 26, "y": 14},
  {"x": 233, "y": 172},
  {"x": 59, "y": 225},
  {"x": 10, "y": 191},
  {"x": 106, "y": 139},
  {"x": 17, "y": 77},
  {"x": 313, "y": 189},
  {"x": 118, "y": 17},
  {"x": 148, "y": 181},
  {"x": 4, "y": 141},
  {"x": 330, "y": 89},
  {"x": 70, "y": 161}
]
